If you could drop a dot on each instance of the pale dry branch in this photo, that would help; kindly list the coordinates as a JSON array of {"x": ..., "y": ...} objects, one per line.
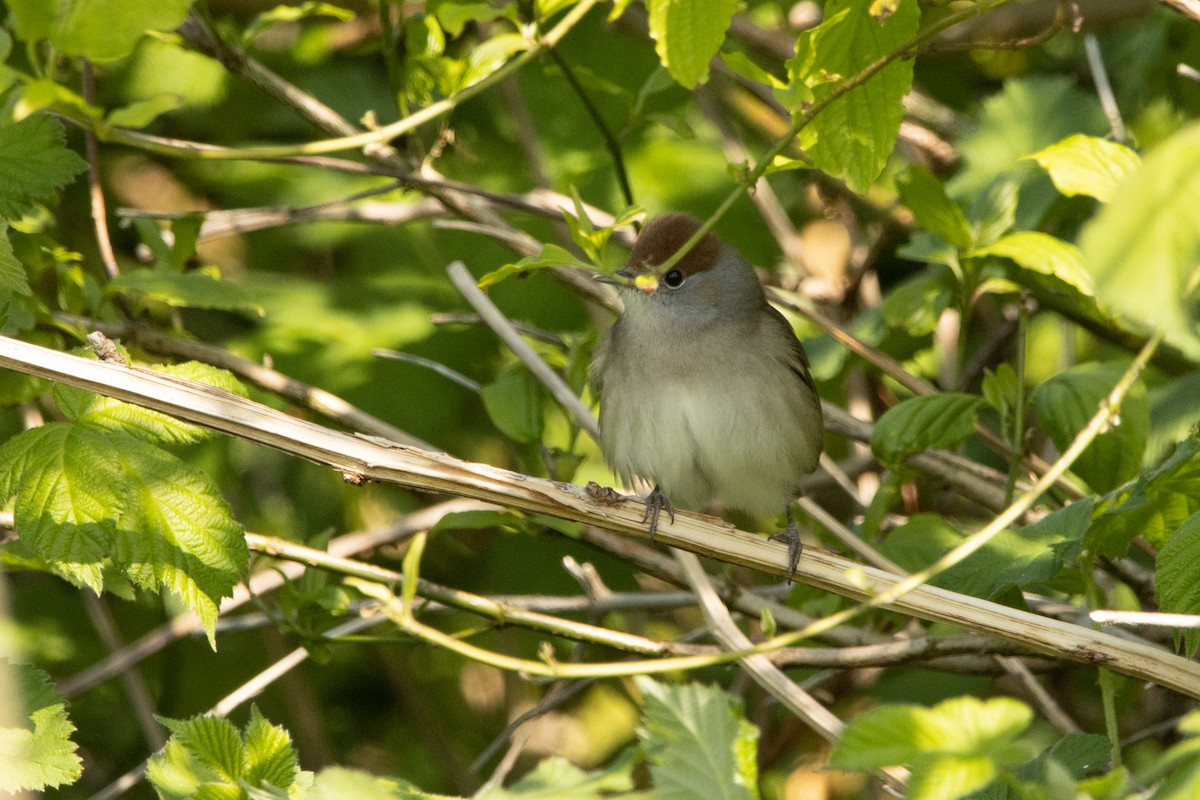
[{"x": 360, "y": 458}]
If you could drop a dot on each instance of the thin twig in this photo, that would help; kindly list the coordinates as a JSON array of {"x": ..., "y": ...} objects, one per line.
[
  {"x": 1108, "y": 100},
  {"x": 610, "y": 141},
  {"x": 135, "y": 686},
  {"x": 496, "y": 320},
  {"x": 446, "y": 372}
]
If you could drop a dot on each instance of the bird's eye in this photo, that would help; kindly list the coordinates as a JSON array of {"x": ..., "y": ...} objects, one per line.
[{"x": 673, "y": 279}]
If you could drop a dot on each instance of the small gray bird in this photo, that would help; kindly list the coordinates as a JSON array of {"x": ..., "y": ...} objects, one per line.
[{"x": 705, "y": 390}]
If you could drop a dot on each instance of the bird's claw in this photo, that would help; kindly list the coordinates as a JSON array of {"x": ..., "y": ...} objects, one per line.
[
  {"x": 656, "y": 501},
  {"x": 790, "y": 535}
]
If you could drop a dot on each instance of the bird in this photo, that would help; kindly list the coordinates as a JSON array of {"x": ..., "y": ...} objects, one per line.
[{"x": 705, "y": 391}]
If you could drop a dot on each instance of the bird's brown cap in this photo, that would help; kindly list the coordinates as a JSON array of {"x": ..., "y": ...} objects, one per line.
[{"x": 660, "y": 240}]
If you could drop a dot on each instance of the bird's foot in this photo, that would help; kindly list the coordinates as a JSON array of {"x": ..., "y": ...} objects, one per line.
[
  {"x": 791, "y": 535},
  {"x": 655, "y": 503}
]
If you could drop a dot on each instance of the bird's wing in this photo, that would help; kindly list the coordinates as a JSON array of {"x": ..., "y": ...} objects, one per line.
[{"x": 797, "y": 357}]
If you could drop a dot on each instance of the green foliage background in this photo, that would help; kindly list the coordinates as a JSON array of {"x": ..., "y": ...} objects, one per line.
[{"x": 1006, "y": 201}]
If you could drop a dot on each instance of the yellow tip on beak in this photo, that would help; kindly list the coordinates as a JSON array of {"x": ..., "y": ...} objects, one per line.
[{"x": 646, "y": 283}]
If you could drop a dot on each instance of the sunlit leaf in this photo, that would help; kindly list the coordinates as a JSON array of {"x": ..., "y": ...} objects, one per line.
[
  {"x": 1142, "y": 252},
  {"x": 39, "y": 754},
  {"x": 1178, "y": 576},
  {"x": 1088, "y": 165},
  {"x": 854, "y": 136},
  {"x": 687, "y": 34}
]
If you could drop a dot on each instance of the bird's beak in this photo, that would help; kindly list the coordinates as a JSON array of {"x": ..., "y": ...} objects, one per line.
[
  {"x": 627, "y": 278},
  {"x": 644, "y": 282}
]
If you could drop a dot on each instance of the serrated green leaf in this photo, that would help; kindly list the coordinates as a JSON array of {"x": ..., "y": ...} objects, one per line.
[
  {"x": 854, "y": 136},
  {"x": 1142, "y": 252},
  {"x": 176, "y": 532},
  {"x": 1087, "y": 165},
  {"x": 690, "y": 734},
  {"x": 1044, "y": 254},
  {"x": 1154, "y": 506},
  {"x": 103, "y": 30},
  {"x": 1065, "y": 404},
  {"x": 40, "y": 754},
  {"x": 207, "y": 757},
  {"x": 187, "y": 290},
  {"x": 514, "y": 404},
  {"x": 282, "y": 13},
  {"x": 453, "y": 15},
  {"x": 86, "y": 497},
  {"x": 933, "y": 209},
  {"x": 687, "y": 34},
  {"x": 34, "y": 163},
  {"x": 921, "y": 423},
  {"x": 1178, "y": 576},
  {"x": 99, "y": 411},
  {"x": 12, "y": 274},
  {"x": 141, "y": 113},
  {"x": 551, "y": 256},
  {"x": 68, "y": 489},
  {"x": 270, "y": 757},
  {"x": 949, "y": 777}
]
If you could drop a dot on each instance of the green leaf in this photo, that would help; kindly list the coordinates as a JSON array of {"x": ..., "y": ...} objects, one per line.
[
  {"x": 916, "y": 304},
  {"x": 187, "y": 290},
  {"x": 340, "y": 783},
  {"x": 207, "y": 757},
  {"x": 490, "y": 56},
  {"x": 1065, "y": 404},
  {"x": 883, "y": 737},
  {"x": 151, "y": 426},
  {"x": 1155, "y": 506},
  {"x": 1023, "y": 558},
  {"x": 176, "y": 532},
  {"x": 1088, "y": 165},
  {"x": 687, "y": 34},
  {"x": 558, "y": 779},
  {"x": 693, "y": 737},
  {"x": 68, "y": 488},
  {"x": 1029, "y": 114},
  {"x": 141, "y": 113},
  {"x": 34, "y": 162},
  {"x": 12, "y": 274},
  {"x": 1178, "y": 576},
  {"x": 1142, "y": 252},
  {"x": 514, "y": 403},
  {"x": 741, "y": 64},
  {"x": 994, "y": 210},
  {"x": 907, "y": 735},
  {"x": 854, "y": 136},
  {"x": 949, "y": 777},
  {"x": 1044, "y": 254},
  {"x": 280, "y": 14},
  {"x": 933, "y": 209},
  {"x": 87, "y": 497},
  {"x": 551, "y": 256},
  {"x": 921, "y": 423},
  {"x": 103, "y": 30},
  {"x": 40, "y": 754},
  {"x": 1079, "y": 753}
]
